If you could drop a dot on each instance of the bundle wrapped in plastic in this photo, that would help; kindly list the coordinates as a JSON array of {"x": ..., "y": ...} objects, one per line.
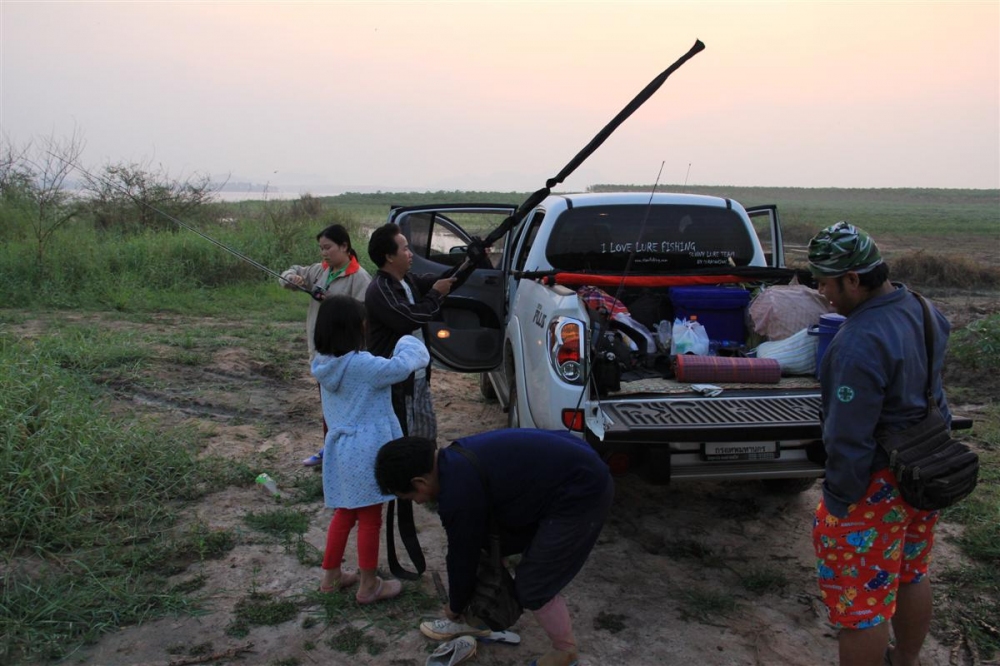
[
  {"x": 781, "y": 311},
  {"x": 795, "y": 354}
]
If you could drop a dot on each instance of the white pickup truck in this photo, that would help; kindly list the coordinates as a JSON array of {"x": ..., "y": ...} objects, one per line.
[{"x": 521, "y": 321}]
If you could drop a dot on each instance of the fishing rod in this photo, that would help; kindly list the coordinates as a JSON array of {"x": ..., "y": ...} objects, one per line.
[
  {"x": 477, "y": 248},
  {"x": 316, "y": 292},
  {"x": 616, "y": 299}
]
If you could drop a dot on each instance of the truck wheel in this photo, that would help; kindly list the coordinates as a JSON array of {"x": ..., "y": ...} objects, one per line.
[
  {"x": 513, "y": 418},
  {"x": 486, "y": 387},
  {"x": 788, "y": 486}
]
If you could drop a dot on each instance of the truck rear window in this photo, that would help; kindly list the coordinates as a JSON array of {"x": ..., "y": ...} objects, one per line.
[{"x": 600, "y": 238}]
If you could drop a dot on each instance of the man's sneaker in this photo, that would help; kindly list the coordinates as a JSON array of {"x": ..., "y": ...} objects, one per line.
[
  {"x": 314, "y": 460},
  {"x": 445, "y": 630}
]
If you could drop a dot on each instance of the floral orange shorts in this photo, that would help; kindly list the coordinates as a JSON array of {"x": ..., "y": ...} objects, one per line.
[{"x": 862, "y": 559}]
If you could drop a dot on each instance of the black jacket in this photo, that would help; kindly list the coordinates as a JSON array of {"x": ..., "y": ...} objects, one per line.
[{"x": 391, "y": 315}]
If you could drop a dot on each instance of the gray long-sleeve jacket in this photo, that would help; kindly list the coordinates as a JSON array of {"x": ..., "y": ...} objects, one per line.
[
  {"x": 874, "y": 375},
  {"x": 353, "y": 285}
]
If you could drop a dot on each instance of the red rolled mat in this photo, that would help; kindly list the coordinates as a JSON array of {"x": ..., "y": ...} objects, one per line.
[{"x": 691, "y": 368}]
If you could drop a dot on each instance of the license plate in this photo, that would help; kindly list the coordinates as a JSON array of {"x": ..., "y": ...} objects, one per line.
[{"x": 740, "y": 450}]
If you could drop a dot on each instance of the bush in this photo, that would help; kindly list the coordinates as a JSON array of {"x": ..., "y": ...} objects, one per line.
[
  {"x": 919, "y": 268},
  {"x": 86, "y": 268},
  {"x": 977, "y": 346},
  {"x": 136, "y": 197}
]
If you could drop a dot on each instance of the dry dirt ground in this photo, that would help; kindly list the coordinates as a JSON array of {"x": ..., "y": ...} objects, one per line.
[{"x": 674, "y": 579}]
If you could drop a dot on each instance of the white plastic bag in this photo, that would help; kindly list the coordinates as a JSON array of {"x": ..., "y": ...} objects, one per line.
[
  {"x": 664, "y": 335},
  {"x": 689, "y": 337},
  {"x": 795, "y": 354}
]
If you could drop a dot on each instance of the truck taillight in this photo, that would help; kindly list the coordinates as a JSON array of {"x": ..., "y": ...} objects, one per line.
[
  {"x": 573, "y": 419},
  {"x": 565, "y": 341}
]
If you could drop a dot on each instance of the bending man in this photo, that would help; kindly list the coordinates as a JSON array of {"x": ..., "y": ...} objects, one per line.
[{"x": 550, "y": 494}]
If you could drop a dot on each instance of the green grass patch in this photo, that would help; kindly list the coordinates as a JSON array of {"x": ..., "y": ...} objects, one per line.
[
  {"x": 693, "y": 550},
  {"x": 47, "y": 611},
  {"x": 281, "y": 522},
  {"x": 980, "y": 512},
  {"x": 969, "y": 596},
  {"x": 306, "y": 553},
  {"x": 977, "y": 346},
  {"x": 217, "y": 472},
  {"x": 611, "y": 622},
  {"x": 393, "y": 617},
  {"x": 309, "y": 487},
  {"x": 93, "y": 350},
  {"x": 967, "y": 605},
  {"x": 172, "y": 554},
  {"x": 87, "y": 500},
  {"x": 706, "y": 606},
  {"x": 351, "y": 640},
  {"x": 287, "y": 661},
  {"x": 73, "y": 477},
  {"x": 193, "y": 584},
  {"x": 260, "y": 609},
  {"x": 763, "y": 580}
]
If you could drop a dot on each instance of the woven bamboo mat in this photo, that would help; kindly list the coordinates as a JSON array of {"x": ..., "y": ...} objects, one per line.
[{"x": 672, "y": 386}]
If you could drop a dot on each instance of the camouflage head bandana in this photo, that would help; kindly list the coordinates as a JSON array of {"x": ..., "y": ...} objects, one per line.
[{"x": 842, "y": 248}]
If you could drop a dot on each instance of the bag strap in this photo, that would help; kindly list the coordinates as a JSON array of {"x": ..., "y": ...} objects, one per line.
[
  {"x": 929, "y": 345},
  {"x": 408, "y": 534}
]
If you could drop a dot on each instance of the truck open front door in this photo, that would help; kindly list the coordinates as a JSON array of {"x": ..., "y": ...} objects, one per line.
[{"x": 468, "y": 335}]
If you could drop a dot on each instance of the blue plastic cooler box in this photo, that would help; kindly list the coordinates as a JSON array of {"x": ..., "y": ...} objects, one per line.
[{"x": 719, "y": 309}]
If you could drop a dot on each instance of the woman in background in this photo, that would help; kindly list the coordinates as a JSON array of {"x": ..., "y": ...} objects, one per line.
[{"x": 339, "y": 274}]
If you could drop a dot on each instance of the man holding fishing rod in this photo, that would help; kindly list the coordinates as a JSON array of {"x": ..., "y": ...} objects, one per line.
[{"x": 400, "y": 303}]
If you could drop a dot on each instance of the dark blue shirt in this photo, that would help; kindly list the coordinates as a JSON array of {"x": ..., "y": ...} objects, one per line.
[
  {"x": 874, "y": 377},
  {"x": 533, "y": 474}
]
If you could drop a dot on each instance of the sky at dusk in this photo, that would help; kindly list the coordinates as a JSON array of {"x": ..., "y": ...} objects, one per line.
[{"x": 332, "y": 96}]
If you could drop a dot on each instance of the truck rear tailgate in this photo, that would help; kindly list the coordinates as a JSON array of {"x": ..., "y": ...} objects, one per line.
[{"x": 742, "y": 416}]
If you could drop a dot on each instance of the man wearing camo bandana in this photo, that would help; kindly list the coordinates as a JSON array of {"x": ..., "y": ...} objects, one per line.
[{"x": 872, "y": 548}]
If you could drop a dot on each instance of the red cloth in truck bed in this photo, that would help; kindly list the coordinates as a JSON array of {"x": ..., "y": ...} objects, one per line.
[{"x": 578, "y": 279}]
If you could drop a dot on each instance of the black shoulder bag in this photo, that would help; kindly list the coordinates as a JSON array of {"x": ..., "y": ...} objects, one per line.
[
  {"x": 494, "y": 600},
  {"x": 934, "y": 471}
]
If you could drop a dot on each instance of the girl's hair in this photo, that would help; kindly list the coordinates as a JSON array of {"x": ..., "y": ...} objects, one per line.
[
  {"x": 338, "y": 234},
  {"x": 340, "y": 326}
]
